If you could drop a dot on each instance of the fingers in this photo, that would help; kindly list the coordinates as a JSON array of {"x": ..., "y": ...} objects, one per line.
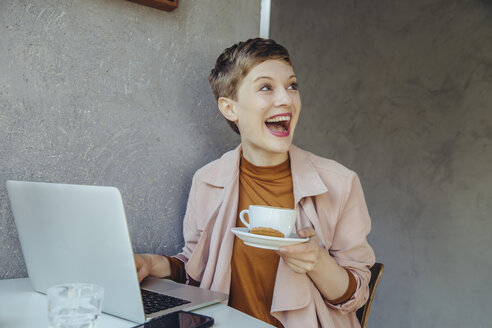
[
  {"x": 306, "y": 232},
  {"x": 308, "y": 254},
  {"x": 296, "y": 268},
  {"x": 142, "y": 273},
  {"x": 300, "y": 266},
  {"x": 312, "y": 245},
  {"x": 302, "y": 258},
  {"x": 142, "y": 265},
  {"x": 298, "y": 249}
]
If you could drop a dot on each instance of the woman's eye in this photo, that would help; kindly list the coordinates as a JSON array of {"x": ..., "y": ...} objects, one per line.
[
  {"x": 293, "y": 86},
  {"x": 265, "y": 87}
]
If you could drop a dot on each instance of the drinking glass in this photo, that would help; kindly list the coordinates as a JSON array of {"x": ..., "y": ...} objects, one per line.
[{"x": 74, "y": 305}]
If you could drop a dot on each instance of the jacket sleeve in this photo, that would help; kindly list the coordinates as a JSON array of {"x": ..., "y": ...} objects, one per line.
[
  {"x": 350, "y": 247},
  {"x": 191, "y": 233}
]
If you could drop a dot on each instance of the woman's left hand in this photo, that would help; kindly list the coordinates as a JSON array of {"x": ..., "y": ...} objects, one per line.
[
  {"x": 303, "y": 258},
  {"x": 310, "y": 258}
]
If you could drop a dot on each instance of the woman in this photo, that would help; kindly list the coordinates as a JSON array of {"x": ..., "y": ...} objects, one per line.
[{"x": 320, "y": 282}]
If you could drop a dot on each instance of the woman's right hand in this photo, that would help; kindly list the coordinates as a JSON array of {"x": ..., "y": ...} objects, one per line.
[
  {"x": 151, "y": 264},
  {"x": 143, "y": 262}
]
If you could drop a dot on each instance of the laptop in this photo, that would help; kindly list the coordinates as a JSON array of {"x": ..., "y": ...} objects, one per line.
[{"x": 79, "y": 233}]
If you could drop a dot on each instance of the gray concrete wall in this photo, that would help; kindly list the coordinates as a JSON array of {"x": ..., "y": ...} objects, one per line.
[
  {"x": 109, "y": 92},
  {"x": 401, "y": 92}
]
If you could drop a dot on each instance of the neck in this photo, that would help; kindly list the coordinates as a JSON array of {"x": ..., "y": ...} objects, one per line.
[{"x": 264, "y": 159}]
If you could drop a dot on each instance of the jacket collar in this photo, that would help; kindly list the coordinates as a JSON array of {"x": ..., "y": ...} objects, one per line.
[
  {"x": 306, "y": 179},
  {"x": 228, "y": 169}
]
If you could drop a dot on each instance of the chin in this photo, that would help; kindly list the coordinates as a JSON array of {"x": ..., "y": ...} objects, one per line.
[{"x": 280, "y": 147}]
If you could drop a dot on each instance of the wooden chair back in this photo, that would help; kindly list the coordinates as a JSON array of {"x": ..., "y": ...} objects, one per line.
[{"x": 376, "y": 273}]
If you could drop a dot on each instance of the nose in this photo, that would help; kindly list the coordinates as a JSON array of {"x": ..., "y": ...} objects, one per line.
[{"x": 282, "y": 98}]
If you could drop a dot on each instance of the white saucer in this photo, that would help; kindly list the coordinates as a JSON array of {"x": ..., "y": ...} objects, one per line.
[{"x": 266, "y": 242}]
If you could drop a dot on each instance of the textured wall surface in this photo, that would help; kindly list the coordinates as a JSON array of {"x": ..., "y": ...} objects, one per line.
[
  {"x": 109, "y": 92},
  {"x": 401, "y": 92}
]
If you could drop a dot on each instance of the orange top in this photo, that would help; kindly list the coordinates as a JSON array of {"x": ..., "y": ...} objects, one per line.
[{"x": 254, "y": 269}]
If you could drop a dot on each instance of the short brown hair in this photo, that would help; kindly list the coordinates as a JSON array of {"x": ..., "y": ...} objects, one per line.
[{"x": 236, "y": 62}]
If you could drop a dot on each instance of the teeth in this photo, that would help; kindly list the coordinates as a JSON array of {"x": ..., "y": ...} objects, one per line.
[{"x": 278, "y": 119}]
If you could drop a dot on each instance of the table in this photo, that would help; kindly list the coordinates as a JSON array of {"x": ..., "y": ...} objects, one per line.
[{"x": 22, "y": 307}]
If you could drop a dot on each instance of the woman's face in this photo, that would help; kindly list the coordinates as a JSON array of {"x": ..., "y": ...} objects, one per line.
[{"x": 267, "y": 109}]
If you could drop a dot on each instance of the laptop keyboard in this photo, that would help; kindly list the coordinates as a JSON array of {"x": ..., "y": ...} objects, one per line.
[{"x": 154, "y": 302}]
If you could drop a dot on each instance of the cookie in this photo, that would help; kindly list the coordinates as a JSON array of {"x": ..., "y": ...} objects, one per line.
[{"x": 267, "y": 232}]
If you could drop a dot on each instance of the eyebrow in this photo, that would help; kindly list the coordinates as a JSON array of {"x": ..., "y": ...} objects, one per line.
[{"x": 269, "y": 78}]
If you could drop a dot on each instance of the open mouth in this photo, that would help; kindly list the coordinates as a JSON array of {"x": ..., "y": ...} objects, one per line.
[{"x": 279, "y": 124}]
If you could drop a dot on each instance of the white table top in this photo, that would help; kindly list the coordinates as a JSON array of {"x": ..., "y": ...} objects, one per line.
[{"x": 22, "y": 307}]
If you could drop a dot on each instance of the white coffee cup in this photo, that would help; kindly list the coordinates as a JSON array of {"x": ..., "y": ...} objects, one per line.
[{"x": 281, "y": 219}]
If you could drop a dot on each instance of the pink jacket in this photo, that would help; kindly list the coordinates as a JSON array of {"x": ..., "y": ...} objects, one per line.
[{"x": 328, "y": 197}]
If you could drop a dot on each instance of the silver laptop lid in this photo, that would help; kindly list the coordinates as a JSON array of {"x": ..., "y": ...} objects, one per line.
[{"x": 77, "y": 233}]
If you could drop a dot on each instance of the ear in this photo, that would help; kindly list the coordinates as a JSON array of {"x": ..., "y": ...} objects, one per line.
[{"x": 226, "y": 107}]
